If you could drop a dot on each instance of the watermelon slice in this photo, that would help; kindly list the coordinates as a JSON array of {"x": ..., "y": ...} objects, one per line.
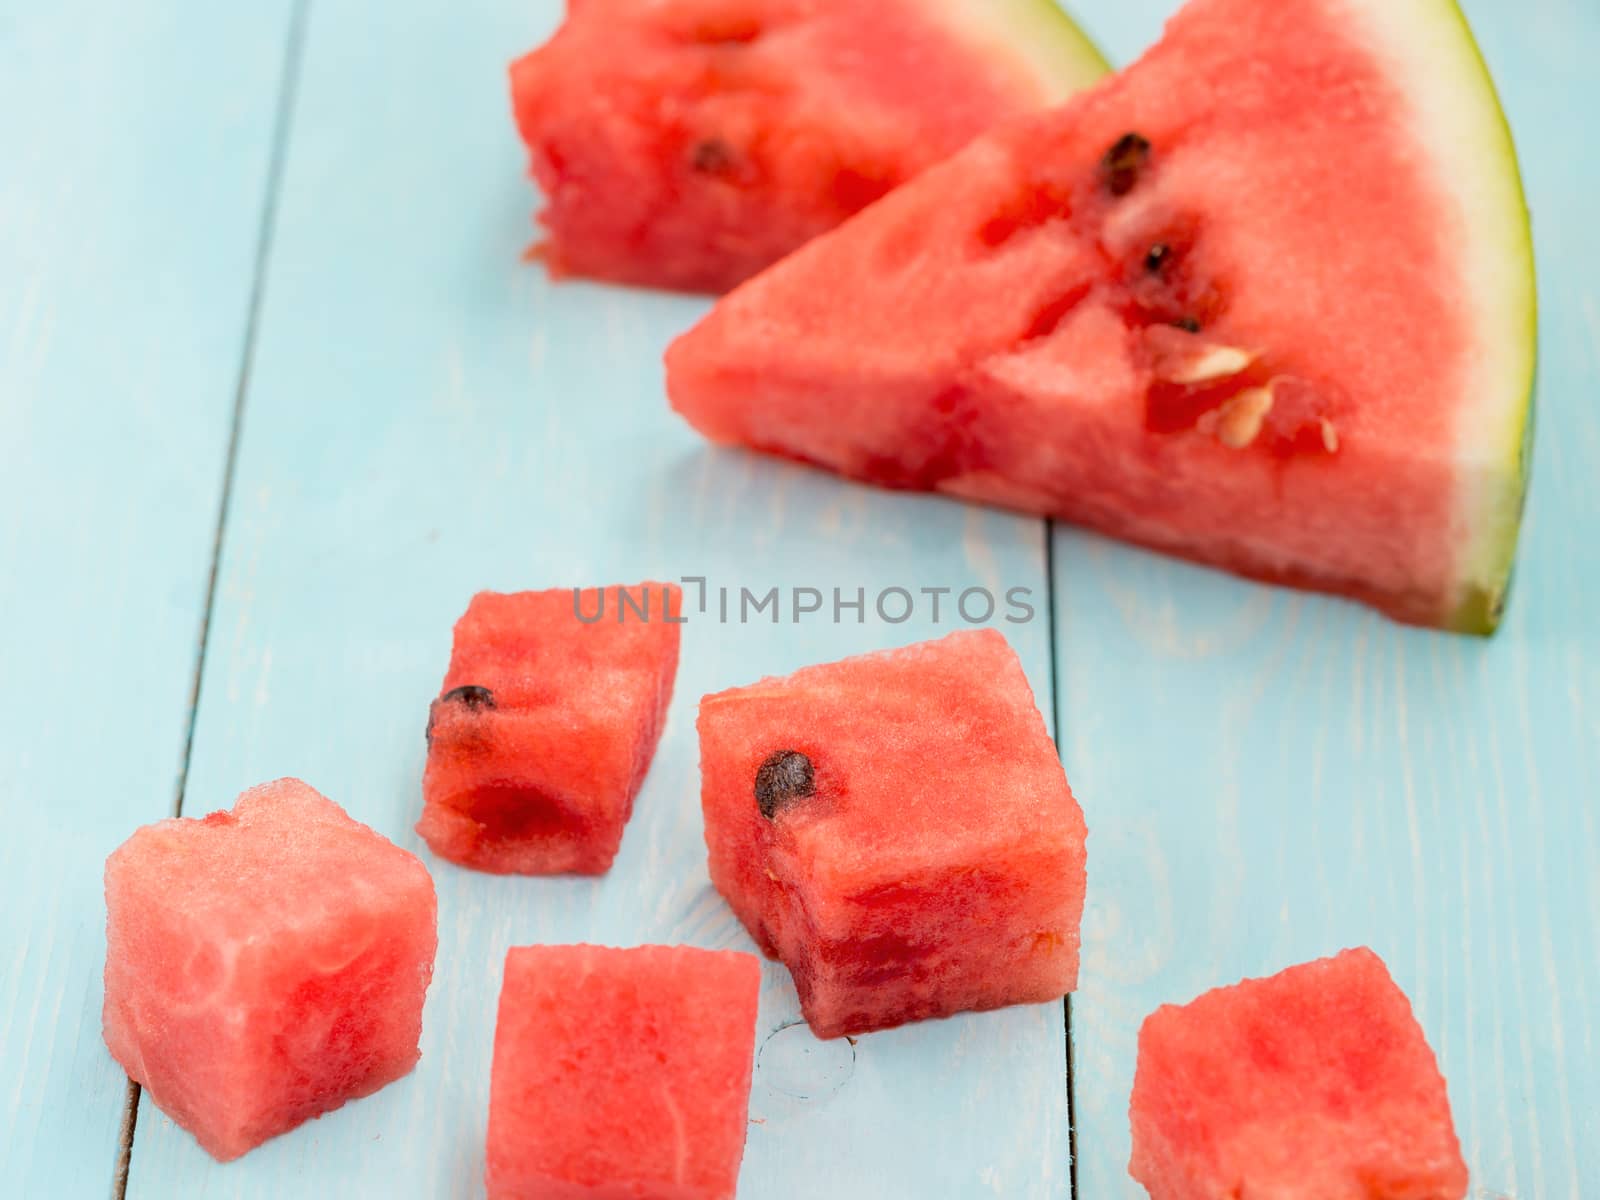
[
  {"x": 264, "y": 965},
  {"x": 1265, "y": 300},
  {"x": 690, "y": 143},
  {"x": 1314, "y": 1084},
  {"x": 546, "y": 724},
  {"x": 621, "y": 1074},
  {"x": 897, "y": 829}
]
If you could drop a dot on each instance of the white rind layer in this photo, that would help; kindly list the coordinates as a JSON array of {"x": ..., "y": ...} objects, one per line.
[
  {"x": 1431, "y": 51},
  {"x": 1037, "y": 34}
]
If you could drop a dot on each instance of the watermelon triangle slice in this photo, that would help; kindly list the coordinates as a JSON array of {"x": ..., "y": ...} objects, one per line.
[
  {"x": 690, "y": 143},
  {"x": 1264, "y": 300}
]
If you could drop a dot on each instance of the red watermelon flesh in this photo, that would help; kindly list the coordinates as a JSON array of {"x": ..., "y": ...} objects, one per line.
[
  {"x": 264, "y": 965},
  {"x": 621, "y": 1074},
  {"x": 1264, "y": 300},
  {"x": 897, "y": 829},
  {"x": 1314, "y": 1084},
  {"x": 546, "y": 724},
  {"x": 690, "y": 143}
]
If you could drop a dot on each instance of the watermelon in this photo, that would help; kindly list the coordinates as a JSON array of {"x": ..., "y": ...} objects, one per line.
[
  {"x": 897, "y": 829},
  {"x": 621, "y": 1074},
  {"x": 264, "y": 965},
  {"x": 1264, "y": 300},
  {"x": 1314, "y": 1084},
  {"x": 690, "y": 143},
  {"x": 546, "y": 724}
]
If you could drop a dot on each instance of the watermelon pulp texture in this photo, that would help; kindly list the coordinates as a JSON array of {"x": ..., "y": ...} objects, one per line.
[
  {"x": 690, "y": 143},
  {"x": 1264, "y": 300},
  {"x": 897, "y": 829},
  {"x": 264, "y": 965},
  {"x": 1314, "y": 1084},
  {"x": 621, "y": 1074},
  {"x": 546, "y": 724}
]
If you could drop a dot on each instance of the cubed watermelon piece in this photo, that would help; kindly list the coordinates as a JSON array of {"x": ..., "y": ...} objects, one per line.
[
  {"x": 546, "y": 724},
  {"x": 264, "y": 965},
  {"x": 621, "y": 1074},
  {"x": 1314, "y": 1084},
  {"x": 897, "y": 829}
]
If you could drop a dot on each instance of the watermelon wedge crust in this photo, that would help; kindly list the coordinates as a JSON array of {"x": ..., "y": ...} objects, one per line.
[
  {"x": 1477, "y": 136},
  {"x": 1036, "y": 40},
  {"x": 1313, "y": 1084},
  {"x": 1264, "y": 300},
  {"x": 689, "y": 143}
]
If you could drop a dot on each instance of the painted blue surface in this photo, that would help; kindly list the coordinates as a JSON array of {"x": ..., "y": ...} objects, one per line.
[
  {"x": 132, "y": 177},
  {"x": 1266, "y": 776}
]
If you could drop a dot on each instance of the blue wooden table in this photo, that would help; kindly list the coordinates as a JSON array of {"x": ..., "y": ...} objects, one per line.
[{"x": 277, "y": 395}]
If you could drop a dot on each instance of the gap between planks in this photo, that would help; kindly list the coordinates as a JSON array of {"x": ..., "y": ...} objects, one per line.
[
  {"x": 1055, "y": 729},
  {"x": 289, "y": 79}
]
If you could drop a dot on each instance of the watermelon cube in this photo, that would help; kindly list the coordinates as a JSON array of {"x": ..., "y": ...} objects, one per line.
[
  {"x": 264, "y": 965},
  {"x": 621, "y": 1074},
  {"x": 897, "y": 829},
  {"x": 546, "y": 724},
  {"x": 1314, "y": 1084}
]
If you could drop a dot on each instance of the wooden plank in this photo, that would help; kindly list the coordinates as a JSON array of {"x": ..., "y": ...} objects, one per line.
[
  {"x": 427, "y": 416},
  {"x": 130, "y": 207},
  {"x": 1270, "y": 777}
]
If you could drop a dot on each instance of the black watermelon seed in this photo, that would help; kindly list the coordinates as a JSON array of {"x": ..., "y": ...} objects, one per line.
[
  {"x": 713, "y": 157},
  {"x": 1187, "y": 324},
  {"x": 470, "y": 694},
  {"x": 784, "y": 777},
  {"x": 1122, "y": 163},
  {"x": 1157, "y": 258}
]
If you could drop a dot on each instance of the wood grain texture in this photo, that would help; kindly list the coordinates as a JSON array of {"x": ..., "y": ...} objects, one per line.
[
  {"x": 130, "y": 204},
  {"x": 1267, "y": 776},
  {"x": 428, "y": 416},
  {"x": 1270, "y": 777}
]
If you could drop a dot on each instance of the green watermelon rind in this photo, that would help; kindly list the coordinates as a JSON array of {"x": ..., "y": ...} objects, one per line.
[
  {"x": 1496, "y": 475},
  {"x": 1057, "y": 53}
]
